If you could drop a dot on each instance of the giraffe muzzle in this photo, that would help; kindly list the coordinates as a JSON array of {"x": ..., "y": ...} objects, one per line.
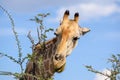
[{"x": 59, "y": 62}]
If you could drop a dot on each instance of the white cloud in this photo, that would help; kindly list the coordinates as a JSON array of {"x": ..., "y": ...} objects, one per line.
[
  {"x": 101, "y": 77},
  {"x": 33, "y": 5},
  {"x": 90, "y": 10}
]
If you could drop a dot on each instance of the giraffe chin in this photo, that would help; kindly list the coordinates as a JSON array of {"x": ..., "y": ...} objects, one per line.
[{"x": 60, "y": 69}]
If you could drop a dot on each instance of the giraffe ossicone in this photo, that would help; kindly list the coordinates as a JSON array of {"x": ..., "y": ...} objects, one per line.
[{"x": 57, "y": 49}]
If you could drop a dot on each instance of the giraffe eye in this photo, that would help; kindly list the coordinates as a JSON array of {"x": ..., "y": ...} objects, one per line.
[
  {"x": 55, "y": 34},
  {"x": 75, "y": 38}
]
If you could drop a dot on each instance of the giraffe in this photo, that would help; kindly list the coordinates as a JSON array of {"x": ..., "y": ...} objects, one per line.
[{"x": 55, "y": 51}]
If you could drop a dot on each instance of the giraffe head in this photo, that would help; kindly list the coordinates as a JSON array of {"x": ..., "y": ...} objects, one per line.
[{"x": 67, "y": 35}]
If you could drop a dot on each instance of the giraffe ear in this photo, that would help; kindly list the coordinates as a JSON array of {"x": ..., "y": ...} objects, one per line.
[
  {"x": 76, "y": 17},
  {"x": 65, "y": 17},
  {"x": 85, "y": 30}
]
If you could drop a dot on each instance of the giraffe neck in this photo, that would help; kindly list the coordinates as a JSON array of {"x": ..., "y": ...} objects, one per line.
[{"x": 46, "y": 69}]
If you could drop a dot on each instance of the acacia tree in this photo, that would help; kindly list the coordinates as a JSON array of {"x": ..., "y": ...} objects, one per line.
[
  {"x": 114, "y": 70},
  {"x": 41, "y": 32}
]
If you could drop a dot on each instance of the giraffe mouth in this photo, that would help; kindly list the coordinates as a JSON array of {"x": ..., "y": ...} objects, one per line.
[{"x": 60, "y": 69}]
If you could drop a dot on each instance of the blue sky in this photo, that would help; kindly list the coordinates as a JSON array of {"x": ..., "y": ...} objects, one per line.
[{"x": 94, "y": 48}]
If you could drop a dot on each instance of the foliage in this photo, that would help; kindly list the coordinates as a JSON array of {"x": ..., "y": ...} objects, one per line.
[
  {"x": 114, "y": 70},
  {"x": 41, "y": 30},
  {"x": 20, "y": 60}
]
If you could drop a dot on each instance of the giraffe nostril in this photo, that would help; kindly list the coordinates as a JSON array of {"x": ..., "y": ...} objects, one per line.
[{"x": 58, "y": 57}]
